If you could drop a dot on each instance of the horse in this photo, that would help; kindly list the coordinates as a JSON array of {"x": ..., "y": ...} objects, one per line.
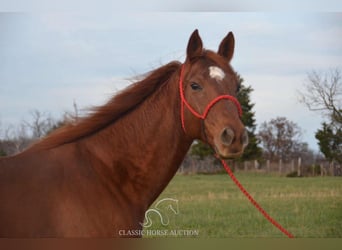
[{"x": 99, "y": 175}]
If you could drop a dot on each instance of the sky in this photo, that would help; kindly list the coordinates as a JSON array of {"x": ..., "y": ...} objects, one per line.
[{"x": 49, "y": 59}]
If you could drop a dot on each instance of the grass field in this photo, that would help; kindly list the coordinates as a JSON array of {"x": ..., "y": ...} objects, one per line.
[{"x": 212, "y": 206}]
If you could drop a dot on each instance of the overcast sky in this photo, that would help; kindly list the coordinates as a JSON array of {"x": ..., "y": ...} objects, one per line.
[{"x": 49, "y": 59}]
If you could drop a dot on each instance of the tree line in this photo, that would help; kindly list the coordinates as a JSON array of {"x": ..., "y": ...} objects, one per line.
[{"x": 16, "y": 138}]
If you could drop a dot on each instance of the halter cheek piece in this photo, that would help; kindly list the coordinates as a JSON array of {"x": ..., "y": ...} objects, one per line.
[{"x": 208, "y": 107}]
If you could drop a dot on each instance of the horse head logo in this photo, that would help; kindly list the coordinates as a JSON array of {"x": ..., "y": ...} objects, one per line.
[{"x": 160, "y": 209}]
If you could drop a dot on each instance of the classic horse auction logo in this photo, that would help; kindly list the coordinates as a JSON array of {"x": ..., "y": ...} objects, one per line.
[{"x": 160, "y": 209}]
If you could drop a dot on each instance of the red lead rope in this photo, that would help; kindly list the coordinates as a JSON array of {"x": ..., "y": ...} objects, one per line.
[
  {"x": 255, "y": 204},
  {"x": 226, "y": 167}
]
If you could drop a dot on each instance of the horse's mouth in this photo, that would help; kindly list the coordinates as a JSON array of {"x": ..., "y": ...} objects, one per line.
[
  {"x": 230, "y": 156},
  {"x": 227, "y": 155}
]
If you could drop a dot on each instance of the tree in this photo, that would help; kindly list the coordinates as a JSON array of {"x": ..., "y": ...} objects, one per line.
[
  {"x": 2, "y": 152},
  {"x": 330, "y": 142},
  {"x": 41, "y": 123},
  {"x": 201, "y": 150},
  {"x": 280, "y": 138},
  {"x": 323, "y": 93},
  {"x": 16, "y": 139},
  {"x": 252, "y": 151}
]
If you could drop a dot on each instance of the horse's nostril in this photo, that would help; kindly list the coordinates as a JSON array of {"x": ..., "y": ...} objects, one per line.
[
  {"x": 244, "y": 138},
  {"x": 227, "y": 136}
]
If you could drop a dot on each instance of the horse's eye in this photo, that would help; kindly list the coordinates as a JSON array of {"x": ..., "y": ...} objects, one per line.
[{"x": 196, "y": 86}]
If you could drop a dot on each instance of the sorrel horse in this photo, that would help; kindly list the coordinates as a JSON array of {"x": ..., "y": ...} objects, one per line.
[{"x": 99, "y": 176}]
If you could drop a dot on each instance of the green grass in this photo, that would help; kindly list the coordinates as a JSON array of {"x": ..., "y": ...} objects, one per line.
[{"x": 214, "y": 207}]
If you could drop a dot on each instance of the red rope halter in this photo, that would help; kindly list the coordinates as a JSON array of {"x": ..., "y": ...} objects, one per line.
[
  {"x": 226, "y": 167},
  {"x": 209, "y": 106}
]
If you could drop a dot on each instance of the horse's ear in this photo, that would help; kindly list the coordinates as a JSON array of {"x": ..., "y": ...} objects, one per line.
[
  {"x": 195, "y": 46},
  {"x": 226, "y": 48}
]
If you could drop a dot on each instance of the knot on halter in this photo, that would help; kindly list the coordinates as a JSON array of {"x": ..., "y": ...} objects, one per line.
[{"x": 208, "y": 107}]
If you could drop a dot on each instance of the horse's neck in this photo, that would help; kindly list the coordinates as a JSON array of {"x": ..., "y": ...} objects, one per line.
[{"x": 143, "y": 150}]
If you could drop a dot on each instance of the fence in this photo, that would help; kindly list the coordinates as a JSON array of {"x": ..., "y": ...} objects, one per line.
[{"x": 293, "y": 168}]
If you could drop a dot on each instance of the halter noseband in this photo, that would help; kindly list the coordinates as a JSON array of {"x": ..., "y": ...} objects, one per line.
[{"x": 208, "y": 107}]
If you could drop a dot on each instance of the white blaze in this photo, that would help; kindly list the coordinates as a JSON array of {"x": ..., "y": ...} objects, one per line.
[{"x": 217, "y": 73}]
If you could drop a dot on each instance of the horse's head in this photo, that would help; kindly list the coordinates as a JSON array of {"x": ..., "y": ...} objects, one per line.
[{"x": 210, "y": 111}]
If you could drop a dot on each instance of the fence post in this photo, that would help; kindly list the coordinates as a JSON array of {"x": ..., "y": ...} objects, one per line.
[
  {"x": 321, "y": 169},
  {"x": 280, "y": 165},
  {"x": 313, "y": 170},
  {"x": 268, "y": 166},
  {"x": 256, "y": 164},
  {"x": 181, "y": 170},
  {"x": 299, "y": 172}
]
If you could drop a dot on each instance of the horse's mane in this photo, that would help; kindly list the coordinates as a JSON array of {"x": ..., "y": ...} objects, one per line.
[{"x": 119, "y": 105}]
